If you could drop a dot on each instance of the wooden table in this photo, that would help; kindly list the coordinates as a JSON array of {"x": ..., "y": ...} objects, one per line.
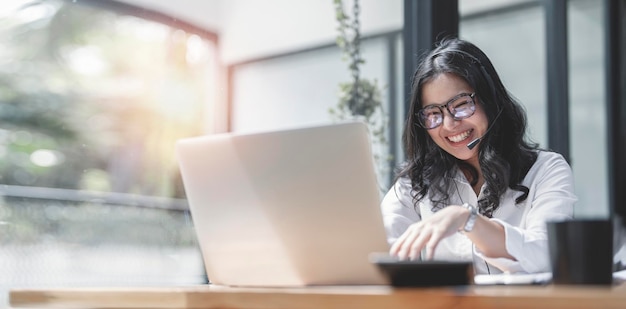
[{"x": 549, "y": 296}]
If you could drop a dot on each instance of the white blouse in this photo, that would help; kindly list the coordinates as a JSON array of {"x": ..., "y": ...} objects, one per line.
[{"x": 550, "y": 198}]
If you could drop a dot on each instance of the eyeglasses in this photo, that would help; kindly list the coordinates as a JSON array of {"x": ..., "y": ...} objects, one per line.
[{"x": 460, "y": 107}]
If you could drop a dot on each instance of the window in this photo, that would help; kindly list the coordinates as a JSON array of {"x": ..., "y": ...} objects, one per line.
[
  {"x": 308, "y": 89},
  {"x": 519, "y": 59},
  {"x": 91, "y": 103},
  {"x": 588, "y": 120}
]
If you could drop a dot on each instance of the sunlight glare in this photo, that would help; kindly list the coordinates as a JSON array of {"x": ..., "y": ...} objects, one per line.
[
  {"x": 46, "y": 157},
  {"x": 142, "y": 29},
  {"x": 87, "y": 61},
  {"x": 197, "y": 50}
]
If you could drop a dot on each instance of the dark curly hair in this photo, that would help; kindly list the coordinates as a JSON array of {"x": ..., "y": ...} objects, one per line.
[{"x": 505, "y": 156}]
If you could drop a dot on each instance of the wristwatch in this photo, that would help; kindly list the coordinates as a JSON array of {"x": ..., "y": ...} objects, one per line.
[{"x": 473, "y": 213}]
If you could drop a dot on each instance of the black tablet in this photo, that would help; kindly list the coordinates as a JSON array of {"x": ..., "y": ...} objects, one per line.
[{"x": 404, "y": 273}]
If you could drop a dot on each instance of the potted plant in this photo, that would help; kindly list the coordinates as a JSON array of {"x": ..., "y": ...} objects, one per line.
[{"x": 359, "y": 98}]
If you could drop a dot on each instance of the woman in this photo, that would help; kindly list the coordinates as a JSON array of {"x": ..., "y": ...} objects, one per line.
[{"x": 472, "y": 188}]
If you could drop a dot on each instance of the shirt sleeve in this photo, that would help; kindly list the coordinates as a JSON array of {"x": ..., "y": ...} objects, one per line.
[
  {"x": 398, "y": 210},
  {"x": 553, "y": 200}
]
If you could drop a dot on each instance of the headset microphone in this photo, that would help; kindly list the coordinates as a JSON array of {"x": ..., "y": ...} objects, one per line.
[{"x": 475, "y": 142}]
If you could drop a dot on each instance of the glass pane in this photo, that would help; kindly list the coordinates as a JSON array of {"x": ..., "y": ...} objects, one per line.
[
  {"x": 91, "y": 104},
  {"x": 587, "y": 107},
  {"x": 513, "y": 37},
  {"x": 308, "y": 90}
]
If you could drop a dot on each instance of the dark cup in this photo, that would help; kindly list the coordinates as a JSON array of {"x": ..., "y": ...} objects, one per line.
[{"x": 581, "y": 251}]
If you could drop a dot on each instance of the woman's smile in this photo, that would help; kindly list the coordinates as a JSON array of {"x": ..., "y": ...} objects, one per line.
[{"x": 460, "y": 137}]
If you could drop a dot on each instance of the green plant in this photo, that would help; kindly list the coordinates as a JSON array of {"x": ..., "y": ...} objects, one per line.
[{"x": 359, "y": 98}]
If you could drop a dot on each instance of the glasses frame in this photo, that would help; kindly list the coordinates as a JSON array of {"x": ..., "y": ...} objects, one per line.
[{"x": 447, "y": 107}]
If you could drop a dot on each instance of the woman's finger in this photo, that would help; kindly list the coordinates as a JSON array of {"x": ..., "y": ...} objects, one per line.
[
  {"x": 433, "y": 241},
  {"x": 415, "y": 248},
  {"x": 402, "y": 245}
]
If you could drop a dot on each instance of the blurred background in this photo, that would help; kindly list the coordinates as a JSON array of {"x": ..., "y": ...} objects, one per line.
[{"x": 94, "y": 94}]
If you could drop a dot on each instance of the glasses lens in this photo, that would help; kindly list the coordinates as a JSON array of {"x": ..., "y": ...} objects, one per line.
[
  {"x": 430, "y": 117},
  {"x": 462, "y": 107}
]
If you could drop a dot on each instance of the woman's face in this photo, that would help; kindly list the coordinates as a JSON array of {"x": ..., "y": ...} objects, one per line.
[{"x": 454, "y": 135}]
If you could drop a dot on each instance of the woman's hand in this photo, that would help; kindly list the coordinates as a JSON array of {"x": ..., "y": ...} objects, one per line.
[{"x": 428, "y": 233}]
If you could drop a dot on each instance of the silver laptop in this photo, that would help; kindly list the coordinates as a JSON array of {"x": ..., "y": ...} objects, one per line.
[{"x": 291, "y": 207}]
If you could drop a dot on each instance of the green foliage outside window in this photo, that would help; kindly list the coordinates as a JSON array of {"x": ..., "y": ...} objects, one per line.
[{"x": 93, "y": 100}]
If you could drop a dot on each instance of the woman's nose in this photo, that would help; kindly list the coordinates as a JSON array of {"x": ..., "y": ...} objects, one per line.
[{"x": 449, "y": 121}]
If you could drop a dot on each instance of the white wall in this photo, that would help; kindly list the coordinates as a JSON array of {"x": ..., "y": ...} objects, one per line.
[
  {"x": 253, "y": 29},
  {"x": 298, "y": 89}
]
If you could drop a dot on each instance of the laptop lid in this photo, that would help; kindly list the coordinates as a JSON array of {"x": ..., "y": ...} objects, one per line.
[{"x": 290, "y": 207}]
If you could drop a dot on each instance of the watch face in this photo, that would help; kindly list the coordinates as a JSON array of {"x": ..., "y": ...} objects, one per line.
[{"x": 469, "y": 224}]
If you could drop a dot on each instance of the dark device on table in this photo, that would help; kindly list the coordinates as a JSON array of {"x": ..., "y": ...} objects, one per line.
[{"x": 404, "y": 273}]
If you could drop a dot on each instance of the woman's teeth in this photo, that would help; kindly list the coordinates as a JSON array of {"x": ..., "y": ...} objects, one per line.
[{"x": 460, "y": 137}]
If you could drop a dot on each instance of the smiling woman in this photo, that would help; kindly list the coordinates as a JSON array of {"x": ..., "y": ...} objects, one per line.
[{"x": 484, "y": 202}]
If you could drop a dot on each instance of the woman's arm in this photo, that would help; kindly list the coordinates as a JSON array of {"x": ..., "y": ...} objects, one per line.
[{"x": 487, "y": 235}]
